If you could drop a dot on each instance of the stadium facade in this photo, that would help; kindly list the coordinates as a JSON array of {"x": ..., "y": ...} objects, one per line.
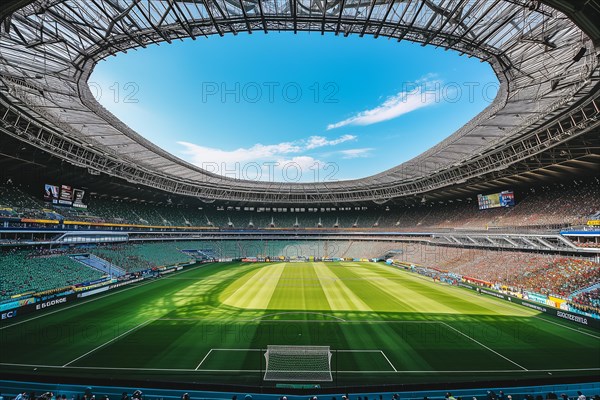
[{"x": 545, "y": 115}]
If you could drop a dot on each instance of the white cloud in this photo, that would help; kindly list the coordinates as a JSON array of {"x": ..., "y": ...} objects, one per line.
[
  {"x": 356, "y": 153},
  {"x": 304, "y": 162},
  {"x": 422, "y": 93},
  {"x": 285, "y": 161},
  {"x": 201, "y": 154},
  {"x": 320, "y": 141},
  {"x": 297, "y": 169}
]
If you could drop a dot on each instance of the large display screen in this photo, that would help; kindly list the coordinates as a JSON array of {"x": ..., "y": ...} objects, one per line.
[
  {"x": 51, "y": 193},
  {"x": 78, "y": 196},
  {"x": 507, "y": 199},
  {"x": 496, "y": 200},
  {"x": 64, "y": 195}
]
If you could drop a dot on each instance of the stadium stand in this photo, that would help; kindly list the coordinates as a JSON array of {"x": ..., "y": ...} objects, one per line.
[
  {"x": 553, "y": 206},
  {"x": 546, "y": 274},
  {"x": 20, "y": 271},
  {"x": 137, "y": 257},
  {"x": 542, "y": 273},
  {"x": 587, "y": 301},
  {"x": 24, "y": 205},
  {"x": 286, "y": 248},
  {"x": 100, "y": 264},
  {"x": 24, "y": 271},
  {"x": 560, "y": 277}
]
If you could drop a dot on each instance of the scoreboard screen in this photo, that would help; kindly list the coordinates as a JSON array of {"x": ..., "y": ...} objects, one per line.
[
  {"x": 51, "y": 193},
  {"x": 496, "y": 200},
  {"x": 64, "y": 195},
  {"x": 507, "y": 199},
  {"x": 78, "y": 196}
]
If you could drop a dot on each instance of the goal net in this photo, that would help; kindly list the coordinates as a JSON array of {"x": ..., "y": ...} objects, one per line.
[{"x": 298, "y": 363}]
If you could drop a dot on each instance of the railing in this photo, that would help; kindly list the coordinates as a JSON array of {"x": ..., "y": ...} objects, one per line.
[{"x": 10, "y": 389}]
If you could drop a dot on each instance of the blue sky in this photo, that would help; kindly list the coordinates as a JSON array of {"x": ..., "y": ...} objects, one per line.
[{"x": 288, "y": 107}]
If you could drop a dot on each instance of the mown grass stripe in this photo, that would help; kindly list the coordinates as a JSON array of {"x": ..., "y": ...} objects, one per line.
[
  {"x": 412, "y": 298},
  {"x": 453, "y": 296},
  {"x": 339, "y": 296},
  {"x": 257, "y": 291},
  {"x": 299, "y": 289}
]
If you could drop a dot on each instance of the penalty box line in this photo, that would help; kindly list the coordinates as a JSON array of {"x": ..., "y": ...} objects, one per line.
[
  {"x": 388, "y": 360},
  {"x": 205, "y": 357},
  {"x": 333, "y": 351},
  {"x": 369, "y": 351},
  {"x": 211, "y": 350}
]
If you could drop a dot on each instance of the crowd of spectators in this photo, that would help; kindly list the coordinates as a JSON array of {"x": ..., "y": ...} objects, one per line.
[
  {"x": 23, "y": 272},
  {"x": 587, "y": 244},
  {"x": 137, "y": 257},
  {"x": 518, "y": 271},
  {"x": 588, "y": 301},
  {"x": 139, "y": 395},
  {"x": 560, "y": 277},
  {"x": 555, "y": 205}
]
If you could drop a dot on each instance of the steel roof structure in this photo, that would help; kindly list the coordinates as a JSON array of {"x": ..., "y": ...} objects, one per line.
[{"x": 546, "y": 61}]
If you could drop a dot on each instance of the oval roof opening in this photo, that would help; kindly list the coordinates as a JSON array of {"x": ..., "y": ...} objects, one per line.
[{"x": 294, "y": 107}]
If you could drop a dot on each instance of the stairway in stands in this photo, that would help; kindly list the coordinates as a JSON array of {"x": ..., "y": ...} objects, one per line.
[{"x": 99, "y": 264}]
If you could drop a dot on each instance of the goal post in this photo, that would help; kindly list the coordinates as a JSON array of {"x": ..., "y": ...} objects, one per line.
[{"x": 298, "y": 363}]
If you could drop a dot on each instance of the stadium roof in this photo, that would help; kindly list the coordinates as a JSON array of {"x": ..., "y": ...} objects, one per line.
[{"x": 546, "y": 62}]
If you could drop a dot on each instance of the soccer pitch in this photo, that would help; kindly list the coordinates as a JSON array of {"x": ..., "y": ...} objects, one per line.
[{"x": 212, "y": 323}]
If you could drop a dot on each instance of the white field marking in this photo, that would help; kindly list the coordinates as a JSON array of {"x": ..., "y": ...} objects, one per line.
[
  {"x": 568, "y": 327},
  {"x": 110, "y": 341},
  {"x": 494, "y": 371},
  {"x": 358, "y": 321},
  {"x": 388, "y": 360},
  {"x": 357, "y": 351},
  {"x": 349, "y": 372},
  {"x": 299, "y": 312},
  {"x": 484, "y": 346},
  {"x": 177, "y": 278},
  {"x": 205, "y": 357},
  {"x": 333, "y": 350},
  {"x": 80, "y": 303},
  {"x": 128, "y": 368},
  {"x": 238, "y": 349}
]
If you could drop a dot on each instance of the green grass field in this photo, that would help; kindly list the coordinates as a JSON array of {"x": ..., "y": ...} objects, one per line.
[{"x": 211, "y": 324}]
